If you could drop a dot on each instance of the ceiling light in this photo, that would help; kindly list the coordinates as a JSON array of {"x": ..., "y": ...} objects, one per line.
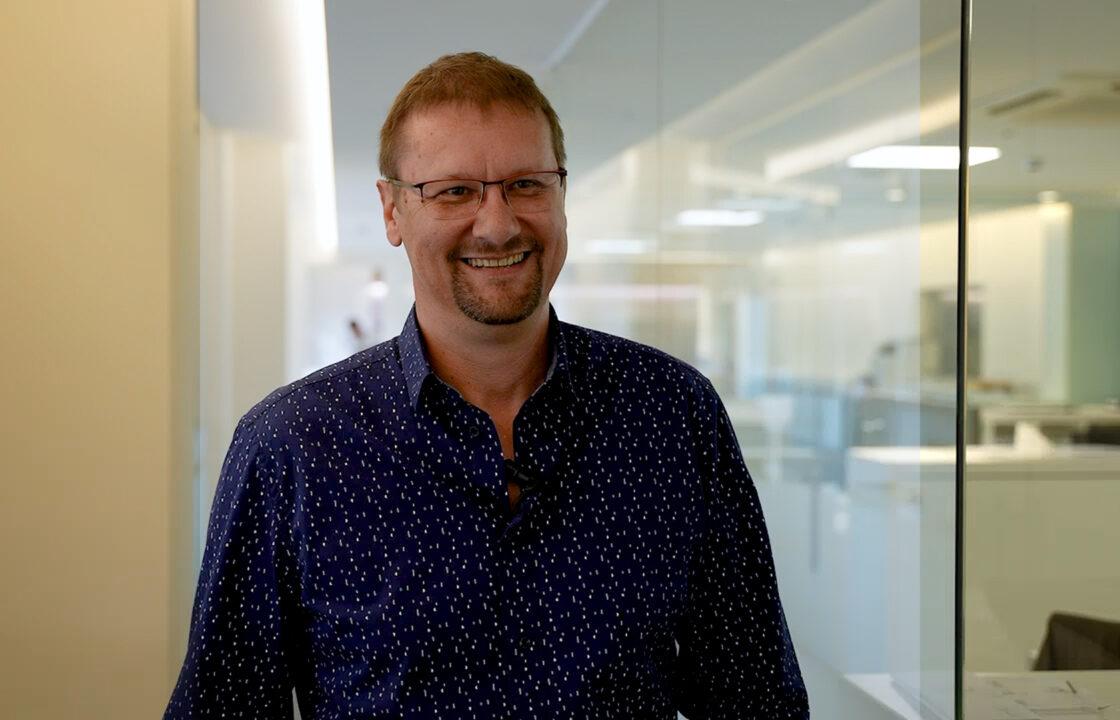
[
  {"x": 740, "y": 181},
  {"x": 821, "y": 153},
  {"x": 618, "y": 246},
  {"x": 761, "y": 204},
  {"x": 920, "y": 157},
  {"x": 713, "y": 217}
]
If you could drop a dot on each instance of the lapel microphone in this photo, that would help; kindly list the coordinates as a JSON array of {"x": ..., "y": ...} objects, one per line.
[{"x": 521, "y": 477}]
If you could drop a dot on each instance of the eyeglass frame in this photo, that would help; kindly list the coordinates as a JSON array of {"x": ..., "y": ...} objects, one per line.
[{"x": 419, "y": 187}]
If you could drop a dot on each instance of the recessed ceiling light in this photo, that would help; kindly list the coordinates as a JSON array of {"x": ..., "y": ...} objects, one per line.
[
  {"x": 618, "y": 246},
  {"x": 714, "y": 217},
  {"x": 824, "y": 152},
  {"x": 920, "y": 157}
]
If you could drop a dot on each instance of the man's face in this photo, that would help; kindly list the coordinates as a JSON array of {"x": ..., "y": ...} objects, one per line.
[{"x": 464, "y": 143}]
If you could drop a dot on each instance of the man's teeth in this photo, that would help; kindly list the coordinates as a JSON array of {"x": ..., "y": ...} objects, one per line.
[{"x": 497, "y": 262}]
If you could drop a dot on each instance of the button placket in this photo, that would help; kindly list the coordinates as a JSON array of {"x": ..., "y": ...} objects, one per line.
[{"x": 511, "y": 656}]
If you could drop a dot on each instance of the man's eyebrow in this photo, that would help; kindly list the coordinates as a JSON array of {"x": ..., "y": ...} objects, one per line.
[
  {"x": 437, "y": 177},
  {"x": 525, "y": 170}
]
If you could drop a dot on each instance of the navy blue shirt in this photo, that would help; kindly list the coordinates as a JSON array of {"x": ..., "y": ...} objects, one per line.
[{"x": 362, "y": 550}]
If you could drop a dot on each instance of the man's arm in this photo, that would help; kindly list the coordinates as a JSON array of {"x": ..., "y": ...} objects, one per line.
[
  {"x": 236, "y": 663},
  {"x": 736, "y": 658}
]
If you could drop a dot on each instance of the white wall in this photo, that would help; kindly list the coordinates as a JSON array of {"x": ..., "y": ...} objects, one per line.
[
  {"x": 268, "y": 218},
  {"x": 833, "y": 303},
  {"x": 1007, "y": 251}
]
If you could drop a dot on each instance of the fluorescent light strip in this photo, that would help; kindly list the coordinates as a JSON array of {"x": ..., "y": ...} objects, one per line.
[
  {"x": 713, "y": 217},
  {"x": 920, "y": 157},
  {"x": 735, "y": 180},
  {"x": 585, "y": 19},
  {"x": 618, "y": 246},
  {"x": 815, "y": 155}
]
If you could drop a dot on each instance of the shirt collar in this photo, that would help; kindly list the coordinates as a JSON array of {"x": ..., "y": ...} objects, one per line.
[
  {"x": 414, "y": 358},
  {"x": 417, "y": 368}
]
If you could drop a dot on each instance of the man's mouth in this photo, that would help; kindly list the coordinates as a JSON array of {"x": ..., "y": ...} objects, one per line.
[{"x": 496, "y": 262}]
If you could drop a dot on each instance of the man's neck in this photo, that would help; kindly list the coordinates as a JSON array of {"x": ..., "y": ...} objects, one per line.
[{"x": 495, "y": 367}]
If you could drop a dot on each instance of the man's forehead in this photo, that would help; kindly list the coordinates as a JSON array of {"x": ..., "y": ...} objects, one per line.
[
  {"x": 486, "y": 110},
  {"x": 453, "y": 133},
  {"x": 449, "y": 119}
]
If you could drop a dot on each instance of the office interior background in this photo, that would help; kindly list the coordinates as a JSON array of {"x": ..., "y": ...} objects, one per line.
[{"x": 769, "y": 191}]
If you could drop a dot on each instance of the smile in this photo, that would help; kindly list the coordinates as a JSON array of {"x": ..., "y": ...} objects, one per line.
[{"x": 496, "y": 262}]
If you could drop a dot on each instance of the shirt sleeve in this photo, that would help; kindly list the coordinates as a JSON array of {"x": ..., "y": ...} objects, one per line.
[
  {"x": 236, "y": 664},
  {"x": 736, "y": 659}
]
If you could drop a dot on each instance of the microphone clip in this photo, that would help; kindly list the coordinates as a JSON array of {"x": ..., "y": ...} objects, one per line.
[{"x": 519, "y": 476}]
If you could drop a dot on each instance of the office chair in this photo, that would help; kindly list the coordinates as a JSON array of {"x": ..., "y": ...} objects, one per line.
[{"x": 1076, "y": 642}]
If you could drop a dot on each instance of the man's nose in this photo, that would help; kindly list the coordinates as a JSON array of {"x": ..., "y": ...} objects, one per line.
[{"x": 495, "y": 219}]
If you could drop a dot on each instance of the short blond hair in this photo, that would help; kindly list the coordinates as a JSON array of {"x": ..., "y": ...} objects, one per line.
[{"x": 471, "y": 78}]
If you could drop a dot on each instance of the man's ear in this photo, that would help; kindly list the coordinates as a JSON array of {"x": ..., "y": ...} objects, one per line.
[{"x": 389, "y": 212}]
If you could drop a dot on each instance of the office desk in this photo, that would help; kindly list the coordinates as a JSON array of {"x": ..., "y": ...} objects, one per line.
[
  {"x": 1103, "y": 685},
  {"x": 1059, "y": 422},
  {"x": 1039, "y": 529}
]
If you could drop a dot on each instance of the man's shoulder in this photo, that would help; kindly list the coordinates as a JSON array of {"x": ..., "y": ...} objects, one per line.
[
  {"x": 329, "y": 387},
  {"x": 603, "y": 357}
]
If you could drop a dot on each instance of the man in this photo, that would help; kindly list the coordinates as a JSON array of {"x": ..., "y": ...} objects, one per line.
[{"x": 495, "y": 514}]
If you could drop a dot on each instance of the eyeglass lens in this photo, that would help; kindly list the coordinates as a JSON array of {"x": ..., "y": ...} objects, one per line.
[{"x": 531, "y": 193}]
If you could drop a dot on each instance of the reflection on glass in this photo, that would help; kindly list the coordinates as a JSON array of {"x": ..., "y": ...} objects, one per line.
[
  {"x": 1042, "y": 578},
  {"x": 723, "y": 204}
]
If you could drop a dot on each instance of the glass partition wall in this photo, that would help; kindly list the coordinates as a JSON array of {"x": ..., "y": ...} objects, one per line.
[
  {"x": 768, "y": 191},
  {"x": 1042, "y": 482}
]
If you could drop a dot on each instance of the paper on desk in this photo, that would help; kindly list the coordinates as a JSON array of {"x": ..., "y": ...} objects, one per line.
[
  {"x": 1030, "y": 438},
  {"x": 1043, "y": 696},
  {"x": 993, "y": 707}
]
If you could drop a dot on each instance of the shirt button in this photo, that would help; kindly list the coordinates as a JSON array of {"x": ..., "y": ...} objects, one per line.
[{"x": 473, "y": 431}]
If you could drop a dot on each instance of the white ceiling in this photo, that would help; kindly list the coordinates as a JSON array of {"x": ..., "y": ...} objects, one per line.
[
  {"x": 374, "y": 47},
  {"x": 615, "y": 71}
]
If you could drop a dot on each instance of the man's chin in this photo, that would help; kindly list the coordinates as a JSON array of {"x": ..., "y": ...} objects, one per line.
[
  {"x": 497, "y": 316},
  {"x": 499, "y": 306},
  {"x": 504, "y": 312}
]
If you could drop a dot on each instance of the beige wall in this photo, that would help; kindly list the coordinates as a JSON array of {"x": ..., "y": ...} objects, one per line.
[{"x": 96, "y": 211}]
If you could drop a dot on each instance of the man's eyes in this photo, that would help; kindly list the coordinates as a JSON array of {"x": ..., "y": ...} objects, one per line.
[
  {"x": 468, "y": 191},
  {"x": 454, "y": 192},
  {"x": 525, "y": 184}
]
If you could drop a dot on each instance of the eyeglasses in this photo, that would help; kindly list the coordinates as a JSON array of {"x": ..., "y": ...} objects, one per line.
[{"x": 458, "y": 199}]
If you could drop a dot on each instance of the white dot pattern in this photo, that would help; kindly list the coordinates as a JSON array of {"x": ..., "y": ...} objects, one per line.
[{"x": 362, "y": 550}]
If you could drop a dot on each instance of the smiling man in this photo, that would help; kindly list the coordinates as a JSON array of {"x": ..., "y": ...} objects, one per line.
[{"x": 496, "y": 514}]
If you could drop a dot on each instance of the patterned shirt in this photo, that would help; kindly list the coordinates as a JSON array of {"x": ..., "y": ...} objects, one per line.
[{"x": 362, "y": 549}]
